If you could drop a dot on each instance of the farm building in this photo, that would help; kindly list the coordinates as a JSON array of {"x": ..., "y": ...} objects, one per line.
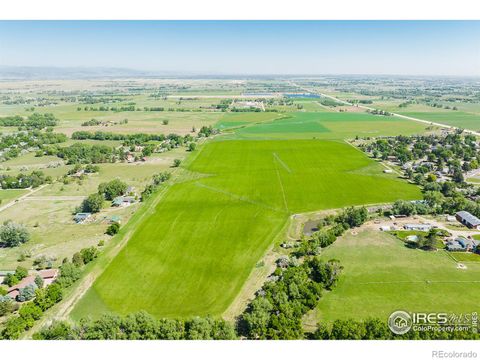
[
  {"x": 468, "y": 219},
  {"x": 462, "y": 244},
  {"x": 417, "y": 227},
  {"x": 123, "y": 201},
  {"x": 80, "y": 218}
]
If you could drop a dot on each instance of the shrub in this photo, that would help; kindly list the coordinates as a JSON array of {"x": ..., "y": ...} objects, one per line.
[
  {"x": 88, "y": 254},
  {"x": 113, "y": 229}
]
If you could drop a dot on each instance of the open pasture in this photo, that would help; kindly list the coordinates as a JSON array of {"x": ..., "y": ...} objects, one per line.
[
  {"x": 192, "y": 256},
  {"x": 382, "y": 275}
]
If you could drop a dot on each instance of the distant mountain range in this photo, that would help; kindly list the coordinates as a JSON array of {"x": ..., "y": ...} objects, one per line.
[
  {"x": 70, "y": 73},
  {"x": 47, "y": 72}
]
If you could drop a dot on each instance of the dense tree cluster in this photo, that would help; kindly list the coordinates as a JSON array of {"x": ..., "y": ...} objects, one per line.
[
  {"x": 329, "y": 229},
  {"x": 139, "y": 138},
  {"x": 207, "y": 131},
  {"x": 376, "y": 329},
  {"x": 92, "y": 204},
  {"x": 34, "y": 121},
  {"x": 24, "y": 181},
  {"x": 157, "y": 180},
  {"x": 139, "y": 326},
  {"x": 89, "y": 154},
  {"x": 110, "y": 190},
  {"x": 294, "y": 289},
  {"x": 13, "y": 145}
]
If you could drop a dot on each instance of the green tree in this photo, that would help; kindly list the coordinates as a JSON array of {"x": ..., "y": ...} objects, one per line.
[
  {"x": 12, "y": 234},
  {"x": 21, "y": 272},
  {"x": 93, "y": 203},
  {"x": 113, "y": 229},
  {"x": 112, "y": 189}
]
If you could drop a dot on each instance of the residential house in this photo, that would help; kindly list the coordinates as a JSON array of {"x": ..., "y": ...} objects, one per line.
[
  {"x": 462, "y": 244},
  {"x": 48, "y": 276}
]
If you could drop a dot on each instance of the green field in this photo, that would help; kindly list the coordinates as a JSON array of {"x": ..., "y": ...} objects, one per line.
[
  {"x": 194, "y": 254},
  {"x": 453, "y": 118},
  {"x": 328, "y": 125},
  {"x": 382, "y": 275},
  {"x": 8, "y": 195}
]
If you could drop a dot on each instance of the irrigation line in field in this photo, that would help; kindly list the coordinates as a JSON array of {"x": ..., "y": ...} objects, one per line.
[
  {"x": 281, "y": 162},
  {"x": 420, "y": 282},
  {"x": 238, "y": 197},
  {"x": 281, "y": 186}
]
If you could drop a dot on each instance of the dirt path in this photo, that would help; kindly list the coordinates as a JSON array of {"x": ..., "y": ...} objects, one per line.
[
  {"x": 23, "y": 197},
  {"x": 55, "y": 198}
]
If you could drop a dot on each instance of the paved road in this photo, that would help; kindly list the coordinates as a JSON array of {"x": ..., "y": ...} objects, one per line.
[{"x": 394, "y": 114}]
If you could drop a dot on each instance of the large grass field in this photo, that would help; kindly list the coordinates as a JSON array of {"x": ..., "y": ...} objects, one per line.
[
  {"x": 381, "y": 275},
  {"x": 194, "y": 254},
  {"x": 327, "y": 125},
  {"x": 453, "y": 118}
]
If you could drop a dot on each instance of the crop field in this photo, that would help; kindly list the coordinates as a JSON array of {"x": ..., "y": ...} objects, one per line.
[
  {"x": 329, "y": 125},
  {"x": 193, "y": 255},
  {"x": 453, "y": 118},
  {"x": 381, "y": 275}
]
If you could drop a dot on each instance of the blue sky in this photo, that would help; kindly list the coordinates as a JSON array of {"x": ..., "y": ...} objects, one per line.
[{"x": 248, "y": 47}]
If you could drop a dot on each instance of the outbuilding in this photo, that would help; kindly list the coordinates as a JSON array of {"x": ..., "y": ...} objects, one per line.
[
  {"x": 468, "y": 219},
  {"x": 417, "y": 227}
]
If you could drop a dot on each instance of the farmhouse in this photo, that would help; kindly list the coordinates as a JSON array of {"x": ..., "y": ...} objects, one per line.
[
  {"x": 80, "y": 218},
  {"x": 462, "y": 244},
  {"x": 48, "y": 276},
  {"x": 468, "y": 219},
  {"x": 14, "y": 291},
  {"x": 417, "y": 227}
]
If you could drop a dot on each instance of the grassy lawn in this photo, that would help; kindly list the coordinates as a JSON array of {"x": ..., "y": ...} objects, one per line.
[
  {"x": 465, "y": 256},
  {"x": 381, "y": 275},
  {"x": 192, "y": 256}
]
